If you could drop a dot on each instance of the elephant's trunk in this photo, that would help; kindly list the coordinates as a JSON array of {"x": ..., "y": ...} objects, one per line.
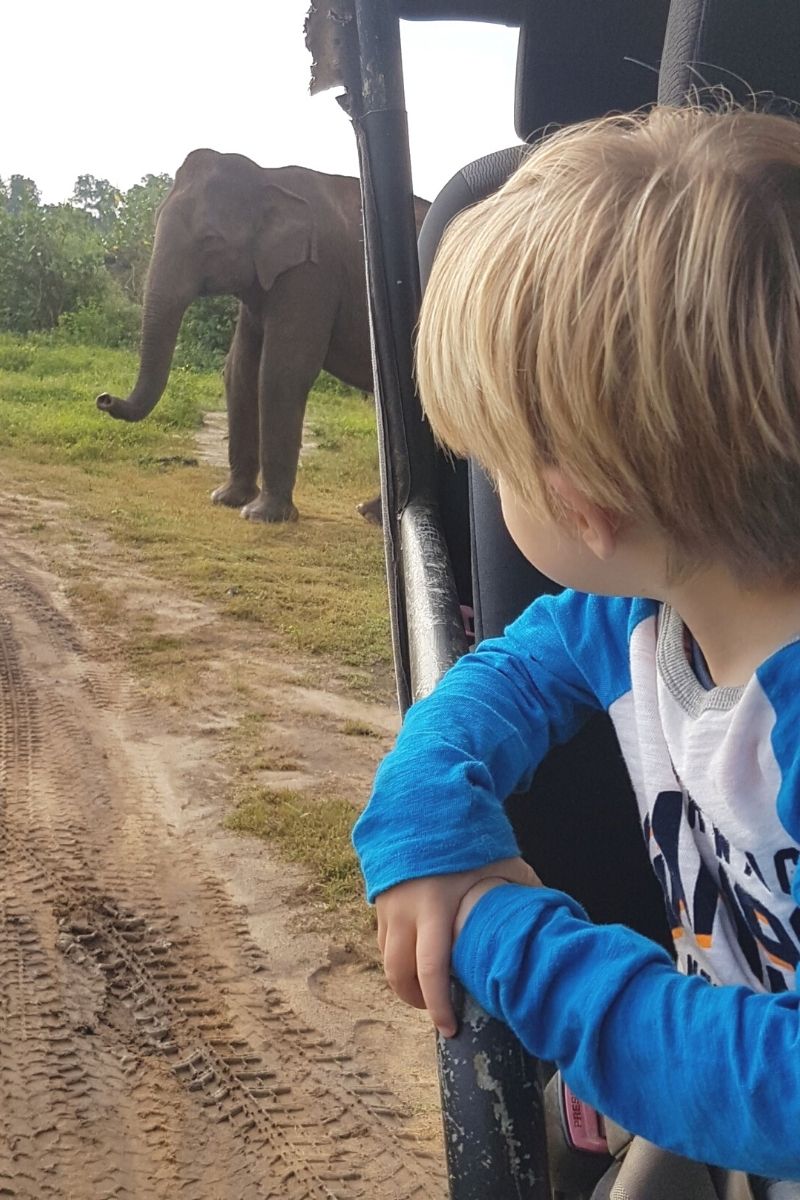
[{"x": 161, "y": 321}]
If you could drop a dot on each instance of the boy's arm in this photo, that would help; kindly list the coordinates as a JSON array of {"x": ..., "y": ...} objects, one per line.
[
  {"x": 712, "y": 1073},
  {"x": 436, "y": 807},
  {"x": 435, "y": 823}
]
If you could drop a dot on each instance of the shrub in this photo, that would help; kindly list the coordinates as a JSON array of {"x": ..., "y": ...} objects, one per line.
[
  {"x": 206, "y": 333},
  {"x": 112, "y": 320},
  {"x": 50, "y": 260}
]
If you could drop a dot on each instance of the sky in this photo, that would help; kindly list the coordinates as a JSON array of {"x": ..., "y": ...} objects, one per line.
[{"x": 118, "y": 91}]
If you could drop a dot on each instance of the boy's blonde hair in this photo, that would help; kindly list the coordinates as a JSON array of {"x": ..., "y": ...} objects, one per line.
[{"x": 627, "y": 308}]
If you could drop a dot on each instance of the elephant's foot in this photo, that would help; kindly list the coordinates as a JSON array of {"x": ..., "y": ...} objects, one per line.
[
  {"x": 268, "y": 508},
  {"x": 371, "y": 510},
  {"x": 233, "y": 494}
]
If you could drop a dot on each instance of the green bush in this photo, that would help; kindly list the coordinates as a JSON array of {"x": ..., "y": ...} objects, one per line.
[
  {"x": 206, "y": 333},
  {"x": 87, "y": 258},
  {"x": 112, "y": 320},
  {"x": 50, "y": 261},
  {"x": 128, "y": 236}
]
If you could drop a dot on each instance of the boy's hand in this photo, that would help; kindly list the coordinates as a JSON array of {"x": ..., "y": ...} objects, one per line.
[
  {"x": 472, "y": 897},
  {"x": 416, "y": 929}
]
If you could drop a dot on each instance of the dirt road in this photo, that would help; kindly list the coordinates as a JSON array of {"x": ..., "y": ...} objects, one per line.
[{"x": 167, "y": 1027}]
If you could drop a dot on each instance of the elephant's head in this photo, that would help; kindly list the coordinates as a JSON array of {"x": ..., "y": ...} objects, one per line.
[{"x": 227, "y": 226}]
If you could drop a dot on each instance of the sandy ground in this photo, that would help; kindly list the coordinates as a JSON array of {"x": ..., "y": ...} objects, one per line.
[{"x": 177, "y": 1018}]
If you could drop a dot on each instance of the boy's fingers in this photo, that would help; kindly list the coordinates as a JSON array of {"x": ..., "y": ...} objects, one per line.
[
  {"x": 515, "y": 870},
  {"x": 400, "y": 964},
  {"x": 433, "y": 972}
]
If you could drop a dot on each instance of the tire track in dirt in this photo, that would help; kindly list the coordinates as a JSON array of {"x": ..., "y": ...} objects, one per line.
[{"x": 144, "y": 1050}]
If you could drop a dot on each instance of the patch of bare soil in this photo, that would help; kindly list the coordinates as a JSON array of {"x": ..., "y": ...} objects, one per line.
[
  {"x": 177, "y": 1019},
  {"x": 211, "y": 439}
]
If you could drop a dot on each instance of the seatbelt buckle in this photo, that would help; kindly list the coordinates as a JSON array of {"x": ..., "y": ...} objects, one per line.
[
  {"x": 583, "y": 1125},
  {"x": 577, "y": 1148}
]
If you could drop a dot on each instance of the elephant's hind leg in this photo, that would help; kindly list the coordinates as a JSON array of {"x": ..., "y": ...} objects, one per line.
[
  {"x": 241, "y": 396},
  {"x": 297, "y": 332}
]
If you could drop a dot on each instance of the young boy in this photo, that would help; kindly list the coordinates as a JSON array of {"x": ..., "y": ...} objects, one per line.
[{"x": 615, "y": 336}]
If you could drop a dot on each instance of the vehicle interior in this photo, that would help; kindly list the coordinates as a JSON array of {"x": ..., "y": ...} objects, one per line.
[{"x": 447, "y": 547}]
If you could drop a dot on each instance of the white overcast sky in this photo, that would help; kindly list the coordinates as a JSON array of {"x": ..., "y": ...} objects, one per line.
[{"x": 116, "y": 91}]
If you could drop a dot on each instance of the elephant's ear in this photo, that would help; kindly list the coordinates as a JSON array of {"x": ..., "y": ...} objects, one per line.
[{"x": 287, "y": 236}]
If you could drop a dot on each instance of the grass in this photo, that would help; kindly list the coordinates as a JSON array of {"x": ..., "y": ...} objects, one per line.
[
  {"x": 250, "y": 751},
  {"x": 306, "y": 828},
  {"x": 318, "y": 583},
  {"x": 360, "y": 729},
  {"x": 48, "y": 416},
  {"x": 310, "y": 827}
]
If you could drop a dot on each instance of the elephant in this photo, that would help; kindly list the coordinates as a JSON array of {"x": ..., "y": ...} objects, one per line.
[{"x": 287, "y": 242}]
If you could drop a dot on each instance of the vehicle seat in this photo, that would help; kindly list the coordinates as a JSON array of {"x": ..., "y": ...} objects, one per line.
[{"x": 749, "y": 47}]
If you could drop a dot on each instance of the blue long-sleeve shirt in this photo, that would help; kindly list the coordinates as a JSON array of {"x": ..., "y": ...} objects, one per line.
[{"x": 715, "y": 772}]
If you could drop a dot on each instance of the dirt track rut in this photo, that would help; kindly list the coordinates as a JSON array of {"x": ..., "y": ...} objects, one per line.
[{"x": 144, "y": 1050}]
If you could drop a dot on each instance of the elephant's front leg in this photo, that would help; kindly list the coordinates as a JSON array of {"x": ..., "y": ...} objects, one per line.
[
  {"x": 295, "y": 344},
  {"x": 241, "y": 397},
  {"x": 283, "y": 394}
]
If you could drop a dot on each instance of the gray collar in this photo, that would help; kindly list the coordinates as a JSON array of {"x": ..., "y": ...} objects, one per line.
[{"x": 676, "y": 671}]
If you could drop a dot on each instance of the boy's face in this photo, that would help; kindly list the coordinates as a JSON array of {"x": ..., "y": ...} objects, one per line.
[
  {"x": 585, "y": 551},
  {"x": 552, "y": 546}
]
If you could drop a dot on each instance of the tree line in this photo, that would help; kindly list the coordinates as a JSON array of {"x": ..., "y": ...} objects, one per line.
[{"x": 78, "y": 268}]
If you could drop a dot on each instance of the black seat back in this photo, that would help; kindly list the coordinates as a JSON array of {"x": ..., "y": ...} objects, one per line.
[
  {"x": 750, "y": 47},
  {"x": 581, "y": 58}
]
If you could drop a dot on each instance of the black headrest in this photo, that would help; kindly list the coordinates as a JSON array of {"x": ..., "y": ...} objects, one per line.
[
  {"x": 583, "y": 58},
  {"x": 744, "y": 45}
]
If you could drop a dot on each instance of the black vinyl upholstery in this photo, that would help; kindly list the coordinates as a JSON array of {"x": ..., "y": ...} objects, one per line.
[
  {"x": 469, "y": 185},
  {"x": 746, "y": 46},
  {"x": 581, "y": 58}
]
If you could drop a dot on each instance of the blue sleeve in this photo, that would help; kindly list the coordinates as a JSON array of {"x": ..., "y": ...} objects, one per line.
[
  {"x": 779, "y": 676},
  {"x": 436, "y": 806},
  {"x": 712, "y": 1073}
]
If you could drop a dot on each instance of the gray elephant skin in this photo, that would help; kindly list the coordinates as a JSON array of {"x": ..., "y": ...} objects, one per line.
[{"x": 288, "y": 243}]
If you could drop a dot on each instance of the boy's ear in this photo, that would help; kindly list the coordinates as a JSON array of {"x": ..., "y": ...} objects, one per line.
[{"x": 596, "y": 528}]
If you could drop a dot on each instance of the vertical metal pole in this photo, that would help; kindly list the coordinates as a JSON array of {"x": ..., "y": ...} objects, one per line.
[
  {"x": 392, "y": 262},
  {"x": 406, "y": 445},
  {"x": 493, "y": 1110},
  {"x": 491, "y": 1099}
]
